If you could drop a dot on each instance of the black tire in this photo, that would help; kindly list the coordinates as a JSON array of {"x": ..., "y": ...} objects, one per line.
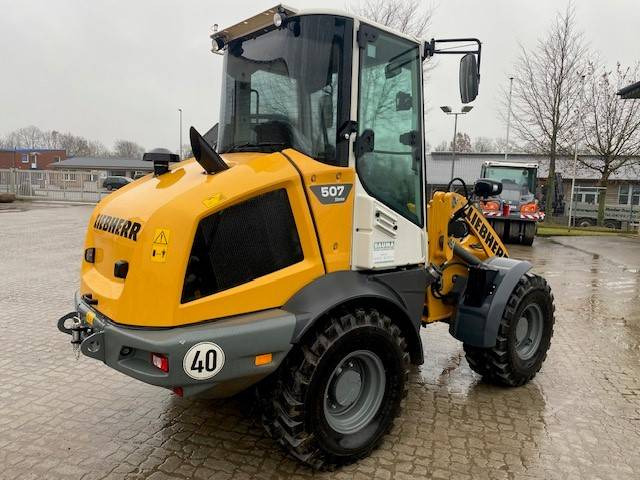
[
  {"x": 498, "y": 227},
  {"x": 529, "y": 233},
  {"x": 585, "y": 222},
  {"x": 505, "y": 363},
  {"x": 513, "y": 231},
  {"x": 296, "y": 413},
  {"x": 613, "y": 224}
]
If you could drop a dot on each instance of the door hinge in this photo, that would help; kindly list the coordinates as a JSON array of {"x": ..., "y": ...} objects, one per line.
[
  {"x": 347, "y": 128},
  {"x": 409, "y": 138}
]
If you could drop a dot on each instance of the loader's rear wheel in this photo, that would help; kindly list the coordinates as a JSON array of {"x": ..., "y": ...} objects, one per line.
[
  {"x": 529, "y": 233},
  {"x": 524, "y": 336},
  {"x": 339, "y": 392}
]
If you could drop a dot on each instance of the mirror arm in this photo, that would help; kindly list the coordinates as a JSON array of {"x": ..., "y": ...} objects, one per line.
[{"x": 430, "y": 48}]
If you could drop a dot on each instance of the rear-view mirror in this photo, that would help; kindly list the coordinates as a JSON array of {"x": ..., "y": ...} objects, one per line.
[{"x": 469, "y": 78}]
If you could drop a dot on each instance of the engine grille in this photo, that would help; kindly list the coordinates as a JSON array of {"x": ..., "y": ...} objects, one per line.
[{"x": 241, "y": 243}]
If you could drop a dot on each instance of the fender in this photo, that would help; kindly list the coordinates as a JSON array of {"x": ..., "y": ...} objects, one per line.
[
  {"x": 401, "y": 292},
  {"x": 477, "y": 324}
]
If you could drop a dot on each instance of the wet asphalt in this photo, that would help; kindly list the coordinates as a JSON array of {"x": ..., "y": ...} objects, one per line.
[{"x": 579, "y": 418}]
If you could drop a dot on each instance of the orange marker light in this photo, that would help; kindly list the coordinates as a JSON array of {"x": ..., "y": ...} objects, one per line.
[
  {"x": 263, "y": 359},
  {"x": 490, "y": 206},
  {"x": 529, "y": 208}
]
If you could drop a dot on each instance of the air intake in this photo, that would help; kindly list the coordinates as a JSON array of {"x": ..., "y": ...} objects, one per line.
[{"x": 241, "y": 243}]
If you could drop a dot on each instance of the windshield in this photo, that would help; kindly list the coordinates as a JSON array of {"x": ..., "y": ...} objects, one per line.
[
  {"x": 289, "y": 87},
  {"x": 517, "y": 183}
]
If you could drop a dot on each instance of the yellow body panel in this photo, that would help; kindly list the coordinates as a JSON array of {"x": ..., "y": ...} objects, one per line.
[
  {"x": 333, "y": 221},
  {"x": 482, "y": 242},
  {"x": 174, "y": 203}
]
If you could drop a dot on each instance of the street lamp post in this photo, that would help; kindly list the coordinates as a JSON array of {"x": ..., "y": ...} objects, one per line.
[
  {"x": 448, "y": 111},
  {"x": 506, "y": 148},
  {"x": 575, "y": 151},
  {"x": 180, "y": 110}
]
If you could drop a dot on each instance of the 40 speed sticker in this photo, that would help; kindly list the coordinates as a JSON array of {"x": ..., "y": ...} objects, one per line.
[{"x": 204, "y": 360}]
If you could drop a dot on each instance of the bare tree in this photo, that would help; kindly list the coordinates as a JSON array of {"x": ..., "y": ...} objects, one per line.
[
  {"x": 412, "y": 17},
  {"x": 547, "y": 90},
  {"x": 441, "y": 147},
  {"x": 128, "y": 149},
  {"x": 463, "y": 143},
  {"x": 26, "y": 137},
  {"x": 611, "y": 125},
  {"x": 483, "y": 145}
]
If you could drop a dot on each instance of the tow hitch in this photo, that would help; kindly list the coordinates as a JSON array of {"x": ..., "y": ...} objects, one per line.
[{"x": 78, "y": 330}]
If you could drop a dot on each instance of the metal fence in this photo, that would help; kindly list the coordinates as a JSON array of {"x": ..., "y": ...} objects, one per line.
[{"x": 53, "y": 185}]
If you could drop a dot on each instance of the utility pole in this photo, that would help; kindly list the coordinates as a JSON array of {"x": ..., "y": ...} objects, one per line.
[
  {"x": 506, "y": 148},
  {"x": 455, "y": 134},
  {"x": 575, "y": 151},
  {"x": 180, "y": 151},
  {"x": 448, "y": 111}
]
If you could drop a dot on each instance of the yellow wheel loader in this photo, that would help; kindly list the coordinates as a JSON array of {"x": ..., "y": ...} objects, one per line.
[{"x": 300, "y": 254}]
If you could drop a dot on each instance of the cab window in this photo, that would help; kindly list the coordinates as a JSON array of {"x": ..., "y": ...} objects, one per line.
[{"x": 389, "y": 121}]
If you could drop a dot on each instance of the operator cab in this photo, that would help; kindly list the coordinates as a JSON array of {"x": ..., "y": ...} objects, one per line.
[
  {"x": 345, "y": 92},
  {"x": 519, "y": 180}
]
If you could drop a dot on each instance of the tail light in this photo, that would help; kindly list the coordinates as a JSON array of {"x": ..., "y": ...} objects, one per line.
[
  {"x": 506, "y": 210},
  {"x": 491, "y": 206},
  {"x": 529, "y": 208},
  {"x": 160, "y": 361}
]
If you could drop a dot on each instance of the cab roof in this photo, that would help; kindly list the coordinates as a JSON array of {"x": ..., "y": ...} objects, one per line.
[
  {"x": 265, "y": 19},
  {"x": 491, "y": 163}
]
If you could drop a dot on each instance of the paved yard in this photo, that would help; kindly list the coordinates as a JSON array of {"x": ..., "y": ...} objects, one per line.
[{"x": 580, "y": 417}]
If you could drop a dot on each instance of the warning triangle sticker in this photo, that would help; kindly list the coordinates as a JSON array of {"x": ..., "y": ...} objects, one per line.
[{"x": 161, "y": 239}]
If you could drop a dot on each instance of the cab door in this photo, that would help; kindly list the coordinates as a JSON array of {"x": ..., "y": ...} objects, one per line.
[{"x": 389, "y": 203}]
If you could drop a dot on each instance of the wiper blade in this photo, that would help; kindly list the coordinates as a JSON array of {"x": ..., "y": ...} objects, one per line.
[{"x": 250, "y": 146}]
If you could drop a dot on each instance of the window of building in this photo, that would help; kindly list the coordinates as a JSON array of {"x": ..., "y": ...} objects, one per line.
[
  {"x": 587, "y": 195},
  {"x": 25, "y": 158},
  {"x": 629, "y": 194},
  {"x": 68, "y": 177}
]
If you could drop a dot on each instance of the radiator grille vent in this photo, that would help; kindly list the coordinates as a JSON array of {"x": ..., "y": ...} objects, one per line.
[{"x": 241, "y": 243}]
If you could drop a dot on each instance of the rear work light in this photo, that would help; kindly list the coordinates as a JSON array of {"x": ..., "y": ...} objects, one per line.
[
  {"x": 491, "y": 206},
  {"x": 160, "y": 361},
  {"x": 529, "y": 208}
]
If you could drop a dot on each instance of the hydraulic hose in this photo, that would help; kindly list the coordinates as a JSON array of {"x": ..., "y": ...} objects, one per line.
[{"x": 460, "y": 252}]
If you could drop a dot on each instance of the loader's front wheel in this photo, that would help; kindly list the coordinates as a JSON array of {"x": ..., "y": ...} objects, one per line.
[
  {"x": 339, "y": 392},
  {"x": 524, "y": 336}
]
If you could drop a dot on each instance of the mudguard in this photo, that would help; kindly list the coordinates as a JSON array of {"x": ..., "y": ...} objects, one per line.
[
  {"x": 476, "y": 323},
  {"x": 400, "y": 292}
]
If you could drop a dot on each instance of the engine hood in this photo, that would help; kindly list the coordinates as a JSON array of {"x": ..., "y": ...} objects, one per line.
[{"x": 150, "y": 225}]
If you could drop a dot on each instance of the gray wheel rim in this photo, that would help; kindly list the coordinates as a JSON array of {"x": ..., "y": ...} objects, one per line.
[
  {"x": 529, "y": 331},
  {"x": 354, "y": 392}
]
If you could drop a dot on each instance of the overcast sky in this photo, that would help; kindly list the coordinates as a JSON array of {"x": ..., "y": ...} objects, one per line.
[{"x": 120, "y": 69}]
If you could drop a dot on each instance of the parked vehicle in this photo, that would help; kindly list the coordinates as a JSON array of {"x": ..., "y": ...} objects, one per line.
[
  {"x": 514, "y": 213},
  {"x": 114, "y": 183},
  {"x": 615, "y": 216}
]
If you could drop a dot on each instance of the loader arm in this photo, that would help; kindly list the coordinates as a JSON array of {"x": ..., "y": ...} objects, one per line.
[{"x": 459, "y": 233}]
